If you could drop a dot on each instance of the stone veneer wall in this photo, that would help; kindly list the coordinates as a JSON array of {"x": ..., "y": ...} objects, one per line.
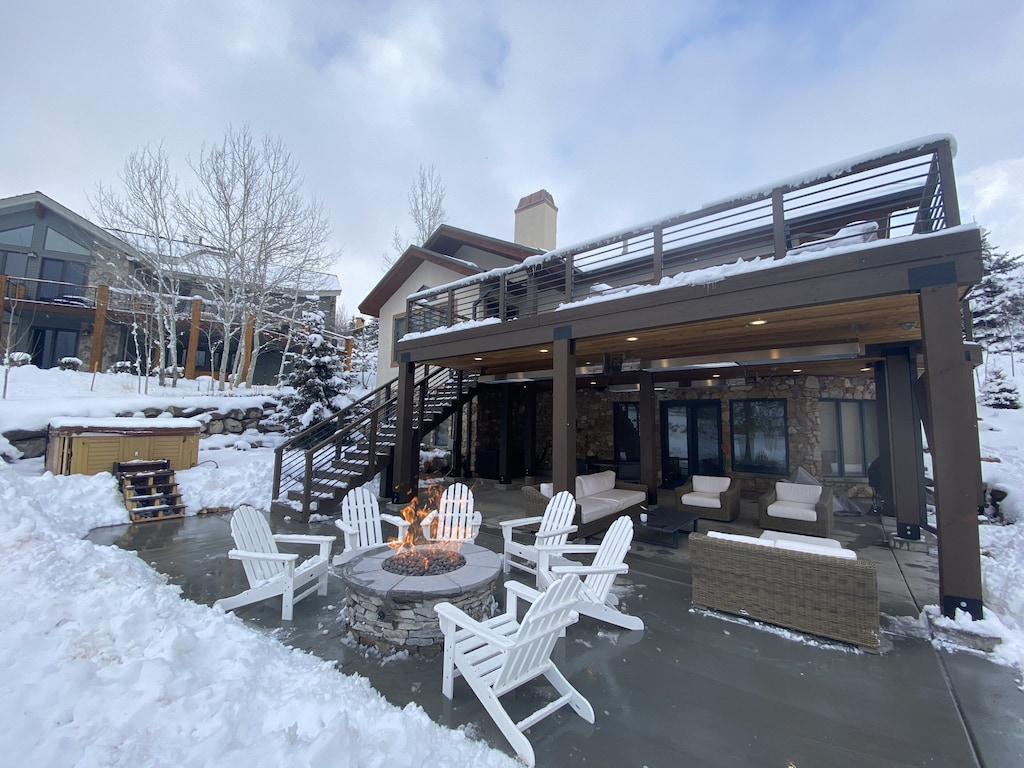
[{"x": 595, "y": 433}]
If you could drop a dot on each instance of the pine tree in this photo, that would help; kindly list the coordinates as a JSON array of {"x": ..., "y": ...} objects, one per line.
[
  {"x": 996, "y": 300},
  {"x": 999, "y": 391},
  {"x": 317, "y": 376}
]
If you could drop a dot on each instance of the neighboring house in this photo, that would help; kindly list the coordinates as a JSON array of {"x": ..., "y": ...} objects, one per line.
[
  {"x": 814, "y": 324},
  {"x": 451, "y": 254},
  {"x": 62, "y": 299}
]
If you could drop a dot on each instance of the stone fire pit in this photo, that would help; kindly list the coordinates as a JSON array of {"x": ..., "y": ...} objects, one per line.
[{"x": 392, "y": 611}]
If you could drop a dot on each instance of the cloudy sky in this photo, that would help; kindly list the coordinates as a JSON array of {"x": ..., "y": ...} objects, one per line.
[{"x": 624, "y": 111}]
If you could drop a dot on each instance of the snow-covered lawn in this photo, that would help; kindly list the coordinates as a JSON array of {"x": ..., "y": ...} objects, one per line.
[{"x": 103, "y": 663}]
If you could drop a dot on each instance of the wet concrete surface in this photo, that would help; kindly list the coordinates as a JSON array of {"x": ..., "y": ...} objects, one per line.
[{"x": 692, "y": 688}]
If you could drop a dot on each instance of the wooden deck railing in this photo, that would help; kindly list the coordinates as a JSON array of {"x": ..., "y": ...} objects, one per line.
[{"x": 905, "y": 190}]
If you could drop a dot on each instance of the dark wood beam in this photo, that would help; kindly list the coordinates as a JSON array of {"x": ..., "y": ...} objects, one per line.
[{"x": 563, "y": 426}]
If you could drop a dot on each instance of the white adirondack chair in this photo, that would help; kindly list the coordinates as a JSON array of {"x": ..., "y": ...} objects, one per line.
[
  {"x": 361, "y": 523},
  {"x": 596, "y": 598},
  {"x": 456, "y": 520},
  {"x": 272, "y": 573},
  {"x": 555, "y": 527},
  {"x": 498, "y": 655}
]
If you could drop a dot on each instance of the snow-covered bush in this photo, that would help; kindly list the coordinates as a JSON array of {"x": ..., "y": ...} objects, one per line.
[
  {"x": 70, "y": 364},
  {"x": 17, "y": 359},
  {"x": 999, "y": 391}
]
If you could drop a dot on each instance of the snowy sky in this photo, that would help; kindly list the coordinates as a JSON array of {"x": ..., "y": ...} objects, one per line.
[{"x": 623, "y": 112}]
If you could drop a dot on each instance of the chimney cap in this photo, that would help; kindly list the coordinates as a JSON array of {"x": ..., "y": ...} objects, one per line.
[{"x": 540, "y": 196}]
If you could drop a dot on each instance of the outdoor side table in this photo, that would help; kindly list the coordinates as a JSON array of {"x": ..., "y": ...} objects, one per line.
[{"x": 663, "y": 527}]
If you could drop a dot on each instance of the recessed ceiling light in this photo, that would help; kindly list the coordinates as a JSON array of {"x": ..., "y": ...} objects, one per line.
[
  {"x": 478, "y": 359},
  {"x": 545, "y": 350},
  {"x": 866, "y": 368},
  {"x": 759, "y": 321},
  {"x": 797, "y": 370},
  {"x": 716, "y": 375},
  {"x": 632, "y": 338},
  {"x": 593, "y": 382}
]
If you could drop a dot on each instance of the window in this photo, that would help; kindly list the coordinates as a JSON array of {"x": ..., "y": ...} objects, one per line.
[
  {"x": 626, "y": 418},
  {"x": 398, "y": 329},
  {"x": 849, "y": 437},
  {"x": 759, "y": 436},
  {"x": 55, "y": 241},
  {"x": 20, "y": 236},
  {"x": 13, "y": 264},
  {"x": 49, "y": 345},
  {"x": 59, "y": 271}
]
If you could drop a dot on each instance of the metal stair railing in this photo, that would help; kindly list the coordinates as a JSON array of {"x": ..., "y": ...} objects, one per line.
[{"x": 361, "y": 435}]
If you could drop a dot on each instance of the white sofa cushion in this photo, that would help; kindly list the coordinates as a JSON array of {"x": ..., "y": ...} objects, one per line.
[
  {"x": 816, "y": 541},
  {"x": 699, "y": 499},
  {"x": 595, "y": 507},
  {"x": 547, "y": 489},
  {"x": 816, "y": 549},
  {"x": 744, "y": 539},
  {"x": 588, "y": 485},
  {"x": 792, "y": 510},
  {"x": 706, "y": 484},
  {"x": 798, "y": 492}
]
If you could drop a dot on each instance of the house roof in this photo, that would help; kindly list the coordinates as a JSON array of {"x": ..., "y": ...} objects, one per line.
[
  {"x": 440, "y": 248},
  {"x": 33, "y": 199}
]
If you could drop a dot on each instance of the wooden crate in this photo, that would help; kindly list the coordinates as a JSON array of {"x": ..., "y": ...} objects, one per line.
[{"x": 90, "y": 446}]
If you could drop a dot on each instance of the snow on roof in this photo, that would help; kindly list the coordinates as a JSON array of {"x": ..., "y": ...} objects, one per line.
[{"x": 836, "y": 169}]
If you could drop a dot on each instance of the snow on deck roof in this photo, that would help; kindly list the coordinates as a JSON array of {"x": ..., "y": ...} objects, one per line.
[{"x": 126, "y": 422}]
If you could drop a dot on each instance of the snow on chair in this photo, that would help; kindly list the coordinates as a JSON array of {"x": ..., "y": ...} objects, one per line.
[
  {"x": 361, "y": 523},
  {"x": 555, "y": 527},
  {"x": 499, "y": 655},
  {"x": 456, "y": 520},
  {"x": 596, "y": 598},
  {"x": 271, "y": 573}
]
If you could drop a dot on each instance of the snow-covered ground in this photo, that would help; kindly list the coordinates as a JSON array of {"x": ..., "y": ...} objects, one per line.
[{"x": 104, "y": 664}]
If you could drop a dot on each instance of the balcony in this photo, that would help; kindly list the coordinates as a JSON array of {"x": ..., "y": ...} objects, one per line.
[{"x": 899, "y": 193}]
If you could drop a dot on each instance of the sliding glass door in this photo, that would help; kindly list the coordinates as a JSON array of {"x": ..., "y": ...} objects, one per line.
[{"x": 691, "y": 440}]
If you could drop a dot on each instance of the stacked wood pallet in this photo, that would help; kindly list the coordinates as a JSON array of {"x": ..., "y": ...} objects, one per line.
[{"x": 150, "y": 491}]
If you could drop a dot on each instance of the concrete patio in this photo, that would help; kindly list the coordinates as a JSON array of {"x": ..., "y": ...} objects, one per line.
[{"x": 693, "y": 687}]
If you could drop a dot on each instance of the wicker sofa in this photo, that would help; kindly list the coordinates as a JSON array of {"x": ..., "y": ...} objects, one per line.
[
  {"x": 600, "y": 499},
  {"x": 713, "y": 498},
  {"x": 828, "y": 596},
  {"x": 796, "y": 508}
]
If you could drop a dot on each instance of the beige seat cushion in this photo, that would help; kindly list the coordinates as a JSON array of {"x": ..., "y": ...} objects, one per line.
[
  {"x": 706, "y": 484},
  {"x": 706, "y": 500},
  {"x": 588, "y": 485},
  {"x": 798, "y": 492}
]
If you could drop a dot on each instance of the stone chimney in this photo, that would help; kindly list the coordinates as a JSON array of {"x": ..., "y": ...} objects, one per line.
[{"x": 536, "y": 221}]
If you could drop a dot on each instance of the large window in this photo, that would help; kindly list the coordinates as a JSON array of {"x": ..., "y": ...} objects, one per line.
[
  {"x": 49, "y": 345},
  {"x": 849, "y": 437},
  {"x": 759, "y": 436},
  {"x": 14, "y": 263},
  {"x": 56, "y": 271}
]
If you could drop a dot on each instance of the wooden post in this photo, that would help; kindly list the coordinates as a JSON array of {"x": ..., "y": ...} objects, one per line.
[
  {"x": 563, "y": 426},
  {"x": 3, "y": 310},
  {"x": 407, "y": 439},
  {"x": 952, "y": 430},
  {"x": 193, "y": 337},
  {"x": 99, "y": 327},
  {"x": 904, "y": 488},
  {"x": 778, "y": 223}
]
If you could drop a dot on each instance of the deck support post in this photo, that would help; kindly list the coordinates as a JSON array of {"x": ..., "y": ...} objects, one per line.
[
  {"x": 563, "y": 426},
  {"x": 407, "y": 439},
  {"x": 648, "y": 401},
  {"x": 951, "y": 426}
]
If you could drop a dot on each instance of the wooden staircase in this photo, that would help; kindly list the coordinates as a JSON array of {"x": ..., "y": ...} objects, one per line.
[
  {"x": 150, "y": 491},
  {"x": 314, "y": 470}
]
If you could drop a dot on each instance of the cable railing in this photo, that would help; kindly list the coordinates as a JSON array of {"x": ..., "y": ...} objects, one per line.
[
  {"x": 904, "y": 191},
  {"x": 346, "y": 448}
]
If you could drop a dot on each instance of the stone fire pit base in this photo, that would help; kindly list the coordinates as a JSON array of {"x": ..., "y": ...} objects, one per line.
[{"x": 394, "y": 612}]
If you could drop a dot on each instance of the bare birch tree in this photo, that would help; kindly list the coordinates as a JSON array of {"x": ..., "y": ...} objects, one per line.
[
  {"x": 145, "y": 216},
  {"x": 426, "y": 209},
  {"x": 264, "y": 238}
]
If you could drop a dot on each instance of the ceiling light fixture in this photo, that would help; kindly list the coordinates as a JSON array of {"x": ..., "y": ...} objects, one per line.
[
  {"x": 545, "y": 350},
  {"x": 759, "y": 321},
  {"x": 478, "y": 359},
  {"x": 632, "y": 338},
  {"x": 798, "y": 370}
]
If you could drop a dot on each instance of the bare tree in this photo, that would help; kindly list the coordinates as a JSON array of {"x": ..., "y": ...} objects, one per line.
[
  {"x": 426, "y": 209},
  {"x": 426, "y": 203},
  {"x": 265, "y": 240},
  {"x": 145, "y": 216}
]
